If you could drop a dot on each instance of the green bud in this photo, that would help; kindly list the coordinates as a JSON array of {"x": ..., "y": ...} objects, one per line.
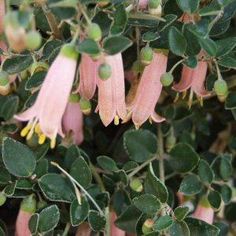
[
  {"x": 146, "y": 55},
  {"x": 4, "y": 78},
  {"x": 74, "y": 98},
  {"x": 33, "y": 40},
  {"x": 69, "y": 50},
  {"x": 104, "y": 71},
  {"x": 153, "y": 4},
  {"x": 28, "y": 204},
  {"x": 3, "y": 198},
  {"x": 147, "y": 226},
  {"x": 94, "y": 32},
  {"x": 167, "y": 79},
  {"x": 221, "y": 88},
  {"x": 136, "y": 185},
  {"x": 85, "y": 106}
]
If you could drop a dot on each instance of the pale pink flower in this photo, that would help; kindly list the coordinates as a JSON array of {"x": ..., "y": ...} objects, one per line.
[
  {"x": 22, "y": 222},
  {"x": 115, "y": 231},
  {"x": 193, "y": 79},
  {"x": 88, "y": 76},
  {"x": 149, "y": 91},
  {"x": 73, "y": 122},
  {"x": 52, "y": 99},
  {"x": 111, "y": 92},
  {"x": 204, "y": 213},
  {"x": 142, "y": 4},
  {"x": 2, "y": 15}
]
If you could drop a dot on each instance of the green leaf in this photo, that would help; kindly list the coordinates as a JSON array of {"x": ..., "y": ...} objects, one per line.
[
  {"x": 181, "y": 212},
  {"x": 17, "y": 64},
  {"x": 56, "y": 188},
  {"x": 80, "y": 171},
  {"x": 5, "y": 176},
  {"x": 230, "y": 102},
  {"x": 78, "y": 212},
  {"x": 116, "y": 44},
  {"x": 9, "y": 106},
  {"x": 183, "y": 158},
  {"x": 169, "y": 19},
  {"x": 147, "y": 203},
  {"x": 226, "y": 193},
  {"x": 107, "y": 163},
  {"x": 199, "y": 227},
  {"x": 150, "y": 36},
  {"x": 189, "y": 6},
  {"x": 154, "y": 186},
  {"x": 228, "y": 61},
  {"x": 119, "y": 21},
  {"x": 214, "y": 199},
  {"x": 225, "y": 46},
  {"x": 128, "y": 219},
  {"x": 48, "y": 219},
  {"x": 96, "y": 221},
  {"x": 208, "y": 45},
  {"x": 163, "y": 222},
  {"x": 35, "y": 80},
  {"x": 89, "y": 46},
  {"x": 9, "y": 190},
  {"x": 190, "y": 185},
  {"x": 140, "y": 144},
  {"x": 226, "y": 169},
  {"x": 18, "y": 158},
  {"x": 34, "y": 223},
  {"x": 177, "y": 41},
  {"x": 179, "y": 228},
  {"x": 205, "y": 172}
]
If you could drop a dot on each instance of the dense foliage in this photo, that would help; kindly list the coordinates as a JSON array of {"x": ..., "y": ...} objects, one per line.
[{"x": 117, "y": 116}]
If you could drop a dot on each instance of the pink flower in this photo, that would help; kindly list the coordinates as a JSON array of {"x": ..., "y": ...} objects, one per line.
[
  {"x": 22, "y": 221},
  {"x": 111, "y": 92},
  {"x": 73, "y": 121},
  {"x": 205, "y": 213},
  {"x": 115, "y": 231},
  {"x": 2, "y": 15},
  {"x": 88, "y": 77},
  {"x": 45, "y": 116},
  {"x": 149, "y": 91},
  {"x": 193, "y": 79},
  {"x": 142, "y": 4}
]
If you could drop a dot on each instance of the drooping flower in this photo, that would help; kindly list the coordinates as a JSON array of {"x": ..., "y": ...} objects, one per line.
[
  {"x": 45, "y": 116},
  {"x": 193, "y": 79},
  {"x": 2, "y": 15},
  {"x": 204, "y": 211},
  {"x": 88, "y": 76},
  {"x": 111, "y": 92},
  {"x": 114, "y": 229},
  {"x": 149, "y": 91},
  {"x": 73, "y": 120}
]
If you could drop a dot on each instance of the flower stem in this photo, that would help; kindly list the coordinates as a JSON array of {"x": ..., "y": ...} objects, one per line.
[
  {"x": 79, "y": 185},
  {"x": 160, "y": 153}
]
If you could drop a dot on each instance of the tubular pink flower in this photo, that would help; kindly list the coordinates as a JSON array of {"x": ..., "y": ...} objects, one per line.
[
  {"x": 22, "y": 222},
  {"x": 149, "y": 91},
  {"x": 52, "y": 99},
  {"x": 115, "y": 231},
  {"x": 73, "y": 121},
  {"x": 193, "y": 79},
  {"x": 88, "y": 77},
  {"x": 2, "y": 14},
  {"x": 111, "y": 92},
  {"x": 204, "y": 213}
]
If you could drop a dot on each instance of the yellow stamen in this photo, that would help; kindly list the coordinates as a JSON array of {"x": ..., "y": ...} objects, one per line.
[
  {"x": 37, "y": 129},
  {"x": 42, "y": 139},
  {"x": 116, "y": 120},
  {"x": 190, "y": 100},
  {"x": 25, "y": 130},
  {"x": 53, "y": 143}
]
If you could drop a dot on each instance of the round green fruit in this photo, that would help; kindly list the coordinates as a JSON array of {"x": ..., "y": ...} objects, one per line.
[
  {"x": 104, "y": 71},
  {"x": 94, "y": 32},
  {"x": 146, "y": 55},
  {"x": 167, "y": 79},
  {"x": 33, "y": 40},
  {"x": 220, "y": 87}
]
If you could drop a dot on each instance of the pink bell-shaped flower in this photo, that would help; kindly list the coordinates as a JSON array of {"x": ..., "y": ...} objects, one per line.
[
  {"x": 149, "y": 91},
  {"x": 45, "y": 116},
  {"x": 111, "y": 92},
  {"x": 73, "y": 120},
  {"x": 88, "y": 77}
]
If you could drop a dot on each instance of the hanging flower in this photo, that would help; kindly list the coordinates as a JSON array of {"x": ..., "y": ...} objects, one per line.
[
  {"x": 193, "y": 78},
  {"x": 111, "y": 92},
  {"x": 45, "y": 116},
  {"x": 149, "y": 91},
  {"x": 73, "y": 120},
  {"x": 88, "y": 76},
  {"x": 204, "y": 211}
]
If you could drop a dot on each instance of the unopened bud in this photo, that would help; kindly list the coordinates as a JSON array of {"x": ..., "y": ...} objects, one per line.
[
  {"x": 167, "y": 79},
  {"x": 4, "y": 83},
  {"x": 146, "y": 55},
  {"x": 136, "y": 185},
  {"x": 220, "y": 87},
  {"x": 154, "y": 7},
  {"x": 33, "y": 40},
  {"x": 94, "y": 32},
  {"x": 147, "y": 226},
  {"x": 104, "y": 71},
  {"x": 85, "y": 106}
]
